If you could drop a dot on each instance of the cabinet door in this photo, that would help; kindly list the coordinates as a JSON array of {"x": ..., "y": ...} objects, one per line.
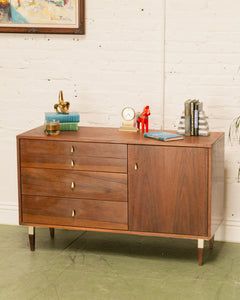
[{"x": 168, "y": 189}]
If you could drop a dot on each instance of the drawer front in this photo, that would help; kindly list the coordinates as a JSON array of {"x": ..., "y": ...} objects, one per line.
[
  {"x": 71, "y": 155},
  {"x": 74, "y": 212},
  {"x": 74, "y": 184}
]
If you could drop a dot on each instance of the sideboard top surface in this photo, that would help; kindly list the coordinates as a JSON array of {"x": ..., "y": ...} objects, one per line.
[{"x": 113, "y": 135}]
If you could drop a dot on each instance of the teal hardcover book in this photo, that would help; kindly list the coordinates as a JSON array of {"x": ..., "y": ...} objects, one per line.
[
  {"x": 63, "y": 118},
  {"x": 65, "y": 126},
  {"x": 163, "y": 136},
  {"x": 71, "y": 126}
]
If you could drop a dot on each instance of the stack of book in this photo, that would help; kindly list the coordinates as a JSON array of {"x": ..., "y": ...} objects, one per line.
[
  {"x": 68, "y": 122},
  {"x": 193, "y": 121}
]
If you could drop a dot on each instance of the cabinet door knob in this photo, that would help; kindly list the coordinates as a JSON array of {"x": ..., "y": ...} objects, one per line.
[
  {"x": 73, "y": 213},
  {"x": 72, "y": 185},
  {"x": 135, "y": 166},
  {"x": 72, "y": 149},
  {"x": 72, "y": 163}
]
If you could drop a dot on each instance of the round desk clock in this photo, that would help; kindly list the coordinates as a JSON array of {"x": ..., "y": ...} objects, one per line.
[
  {"x": 128, "y": 123},
  {"x": 128, "y": 113}
]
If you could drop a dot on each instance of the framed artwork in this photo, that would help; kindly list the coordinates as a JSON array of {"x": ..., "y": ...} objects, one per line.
[{"x": 42, "y": 16}]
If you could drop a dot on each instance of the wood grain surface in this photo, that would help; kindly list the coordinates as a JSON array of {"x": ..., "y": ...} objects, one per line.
[
  {"x": 85, "y": 156},
  {"x": 176, "y": 189},
  {"x": 114, "y": 136},
  {"x": 87, "y": 185},
  {"x": 89, "y": 213},
  {"x": 168, "y": 191}
]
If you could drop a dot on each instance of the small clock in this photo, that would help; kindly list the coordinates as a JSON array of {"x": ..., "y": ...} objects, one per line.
[
  {"x": 128, "y": 113},
  {"x": 129, "y": 122}
]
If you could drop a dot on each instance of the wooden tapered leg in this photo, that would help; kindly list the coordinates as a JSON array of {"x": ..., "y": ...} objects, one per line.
[
  {"x": 211, "y": 243},
  {"x": 200, "y": 256},
  {"x": 51, "y": 232},
  {"x": 31, "y": 235},
  {"x": 200, "y": 251}
]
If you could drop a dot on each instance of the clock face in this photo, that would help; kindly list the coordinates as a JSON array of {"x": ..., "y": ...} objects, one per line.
[{"x": 128, "y": 113}]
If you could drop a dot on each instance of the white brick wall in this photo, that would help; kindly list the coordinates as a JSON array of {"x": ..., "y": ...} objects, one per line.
[
  {"x": 202, "y": 58},
  {"x": 120, "y": 62},
  {"x": 203, "y": 62}
]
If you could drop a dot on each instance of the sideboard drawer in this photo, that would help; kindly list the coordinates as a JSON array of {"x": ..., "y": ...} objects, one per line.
[
  {"x": 74, "y": 212},
  {"x": 74, "y": 155},
  {"x": 74, "y": 184}
]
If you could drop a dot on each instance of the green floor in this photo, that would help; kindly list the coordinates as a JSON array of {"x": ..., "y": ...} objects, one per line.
[{"x": 89, "y": 265}]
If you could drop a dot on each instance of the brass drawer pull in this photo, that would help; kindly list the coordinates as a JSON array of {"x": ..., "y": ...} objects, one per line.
[
  {"x": 73, "y": 213},
  {"x": 72, "y": 185},
  {"x": 136, "y": 166},
  {"x": 72, "y": 163},
  {"x": 72, "y": 149}
]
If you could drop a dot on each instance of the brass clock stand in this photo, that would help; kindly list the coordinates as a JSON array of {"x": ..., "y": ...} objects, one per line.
[{"x": 129, "y": 120}]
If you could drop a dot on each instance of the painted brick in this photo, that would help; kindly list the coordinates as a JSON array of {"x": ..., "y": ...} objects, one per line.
[{"x": 119, "y": 62}]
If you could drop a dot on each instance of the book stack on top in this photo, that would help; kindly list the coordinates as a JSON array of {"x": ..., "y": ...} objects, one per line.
[
  {"x": 193, "y": 121},
  {"x": 68, "y": 122}
]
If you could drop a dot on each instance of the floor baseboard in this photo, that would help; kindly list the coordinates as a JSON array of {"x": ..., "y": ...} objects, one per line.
[
  {"x": 229, "y": 231},
  {"x": 8, "y": 213}
]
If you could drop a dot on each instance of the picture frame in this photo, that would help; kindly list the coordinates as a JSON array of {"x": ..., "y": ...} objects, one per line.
[{"x": 42, "y": 16}]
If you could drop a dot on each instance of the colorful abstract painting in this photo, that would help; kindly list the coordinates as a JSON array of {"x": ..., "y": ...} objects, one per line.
[{"x": 34, "y": 15}]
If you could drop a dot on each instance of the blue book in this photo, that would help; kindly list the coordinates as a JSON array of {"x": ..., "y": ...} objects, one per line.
[
  {"x": 63, "y": 118},
  {"x": 163, "y": 136}
]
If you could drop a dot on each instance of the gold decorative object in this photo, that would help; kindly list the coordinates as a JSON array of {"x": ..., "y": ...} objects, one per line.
[{"x": 63, "y": 106}]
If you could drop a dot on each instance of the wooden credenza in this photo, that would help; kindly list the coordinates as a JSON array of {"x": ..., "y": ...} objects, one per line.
[{"x": 102, "y": 179}]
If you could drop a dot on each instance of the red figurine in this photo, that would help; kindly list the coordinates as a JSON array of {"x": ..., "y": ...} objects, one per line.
[{"x": 143, "y": 118}]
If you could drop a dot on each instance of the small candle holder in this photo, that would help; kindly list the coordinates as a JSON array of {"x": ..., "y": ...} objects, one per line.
[{"x": 52, "y": 127}]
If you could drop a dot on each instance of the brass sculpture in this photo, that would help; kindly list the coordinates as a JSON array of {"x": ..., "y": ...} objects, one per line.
[{"x": 63, "y": 106}]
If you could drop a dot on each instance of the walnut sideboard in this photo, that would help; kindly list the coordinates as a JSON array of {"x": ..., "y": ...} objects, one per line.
[{"x": 103, "y": 179}]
